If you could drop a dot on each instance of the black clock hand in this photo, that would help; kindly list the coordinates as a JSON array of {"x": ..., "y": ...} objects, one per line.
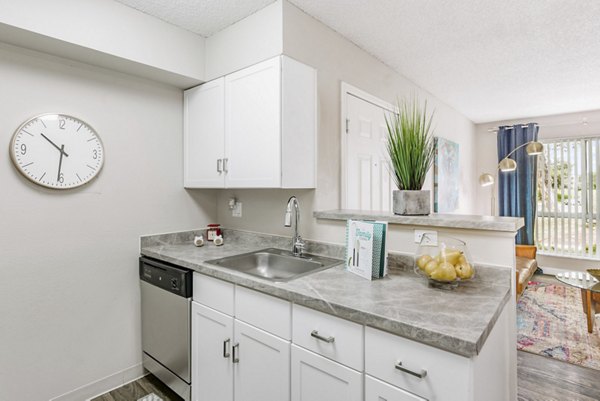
[{"x": 62, "y": 152}]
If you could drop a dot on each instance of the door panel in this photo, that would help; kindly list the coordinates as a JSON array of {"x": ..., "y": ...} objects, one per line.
[
  {"x": 315, "y": 378},
  {"x": 368, "y": 183},
  {"x": 204, "y": 135},
  {"x": 263, "y": 370},
  {"x": 212, "y": 370},
  {"x": 252, "y": 125}
]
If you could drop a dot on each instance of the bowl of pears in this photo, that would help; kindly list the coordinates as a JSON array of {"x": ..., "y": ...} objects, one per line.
[{"x": 445, "y": 261}]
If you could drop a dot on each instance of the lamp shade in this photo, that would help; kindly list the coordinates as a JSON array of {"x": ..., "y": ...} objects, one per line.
[
  {"x": 486, "y": 179},
  {"x": 534, "y": 148},
  {"x": 506, "y": 165}
]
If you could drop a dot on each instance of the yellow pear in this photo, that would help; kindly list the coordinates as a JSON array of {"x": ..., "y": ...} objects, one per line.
[
  {"x": 464, "y": 271},
  {"x": 444, "y": 272},
  {"x": 423, "y": 260},
  {"x": 450, "y": 255},
  {"x": 430, "y": 267},
  {"x": 462, "y": 259}
]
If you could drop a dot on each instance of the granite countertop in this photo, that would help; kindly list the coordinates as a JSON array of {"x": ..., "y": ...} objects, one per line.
[
  {"x": 458, "y": 321},
  {"x": 465, "y": 221}
]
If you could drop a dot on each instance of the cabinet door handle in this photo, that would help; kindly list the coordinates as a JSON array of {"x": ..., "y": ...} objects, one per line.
[
  {"x": 225, "y": 165},
  {"x": 236, "y": 357},
  {"x": 226, "y": 344},
  {"x": 219, "y": 169},
  {"x": 420, "y": 374},
  {"x": 316, "y": 335}
]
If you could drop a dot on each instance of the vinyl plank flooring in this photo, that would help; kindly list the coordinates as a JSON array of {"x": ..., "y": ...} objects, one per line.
[
  {"x": 138, "y": 389},
  {"x": 546, "y": 379}
]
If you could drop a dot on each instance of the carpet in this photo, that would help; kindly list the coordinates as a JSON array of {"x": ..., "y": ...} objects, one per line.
[{"x": 551, "y": 322}]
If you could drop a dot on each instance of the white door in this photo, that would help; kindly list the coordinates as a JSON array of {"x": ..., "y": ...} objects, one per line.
[
  {"x": 368, "y": 181},
  {"x": 212, "y": 368},
  {"x": 252, "y": 126},
  {"x": 204, "y": 135},
  {"x": 262, "y": 371},
  {"x": 376, "y": 390},
  {"x": 315, "y": 378}
]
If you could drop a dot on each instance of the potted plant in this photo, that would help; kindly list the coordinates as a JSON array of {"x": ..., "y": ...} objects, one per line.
[{"x": 411, "y": 149}]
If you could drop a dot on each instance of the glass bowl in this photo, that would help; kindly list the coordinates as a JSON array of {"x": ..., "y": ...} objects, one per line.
[{"x": 444, "y": 262}]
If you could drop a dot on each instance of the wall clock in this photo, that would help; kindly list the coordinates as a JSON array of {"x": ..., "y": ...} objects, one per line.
[{"x": 57, "y": 151}]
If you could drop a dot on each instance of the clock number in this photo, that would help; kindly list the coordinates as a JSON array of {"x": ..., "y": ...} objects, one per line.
[
  {"x": 61, "y": 178},
  {"x": 61, "y": 123},
  {"x": 95, "y": 154},
  {"x": 23, "y": 149}
]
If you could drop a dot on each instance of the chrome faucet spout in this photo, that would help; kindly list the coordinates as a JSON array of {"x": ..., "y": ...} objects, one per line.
[{"x": 297, "y": 241}]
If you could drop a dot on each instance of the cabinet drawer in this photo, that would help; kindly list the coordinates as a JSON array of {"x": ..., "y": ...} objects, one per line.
[
  {"x": 268, "y": 313},
  {"x": 214, "y": 293},
  {"x": 445, "y": 375},
  {"x": 376, "y": 390},
  {"x": 330, "y": 336}
]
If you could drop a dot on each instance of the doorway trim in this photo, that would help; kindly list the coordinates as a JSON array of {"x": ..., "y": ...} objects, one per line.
[{"x": 351, "y": 90}]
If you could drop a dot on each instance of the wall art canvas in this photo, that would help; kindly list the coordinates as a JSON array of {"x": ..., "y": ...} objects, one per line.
[{"x": 446, "y": 180}]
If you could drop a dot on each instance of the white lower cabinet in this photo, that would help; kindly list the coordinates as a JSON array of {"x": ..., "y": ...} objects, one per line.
[
  {"x": 212, "y": 370},
  {"x": 262, "y": 365},
  {"x": 376, "y": 390},
  {"x": 315, "y": 378}
]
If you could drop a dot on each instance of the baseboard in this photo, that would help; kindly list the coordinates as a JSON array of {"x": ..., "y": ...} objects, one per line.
[{"x": 104, "y": 385}]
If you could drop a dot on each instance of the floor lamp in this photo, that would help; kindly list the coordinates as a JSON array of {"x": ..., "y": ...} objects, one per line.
[{"x": 533, "y": 148}]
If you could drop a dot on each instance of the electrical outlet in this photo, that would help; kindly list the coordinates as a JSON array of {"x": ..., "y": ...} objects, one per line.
[
  {"x": 428, "y": 237},
  {"x": 237, "y": 210}
]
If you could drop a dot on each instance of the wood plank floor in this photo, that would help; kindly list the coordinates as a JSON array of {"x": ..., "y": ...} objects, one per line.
[
  {"x": 135, "y": 390},
  {"x": 545, "y": 379}
]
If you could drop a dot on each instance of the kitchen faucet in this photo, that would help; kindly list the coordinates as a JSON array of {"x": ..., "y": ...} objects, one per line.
[{"x": 297, "y": 241}]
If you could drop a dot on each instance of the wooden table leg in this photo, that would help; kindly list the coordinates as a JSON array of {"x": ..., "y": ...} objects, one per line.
[{"x": 586, "y": 297}]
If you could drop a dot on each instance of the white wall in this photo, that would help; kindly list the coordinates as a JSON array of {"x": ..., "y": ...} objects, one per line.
[
  {"x": 556, "y": 126},
  {"x": 69, "y": 296},
  {"x": 337, "y": 60},
  {"x": 256, "y": 38},
  {"x": 107, "y": 33}
]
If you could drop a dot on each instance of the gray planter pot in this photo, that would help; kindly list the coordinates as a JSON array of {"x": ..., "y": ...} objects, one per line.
[{"x": 412, "y": 203}]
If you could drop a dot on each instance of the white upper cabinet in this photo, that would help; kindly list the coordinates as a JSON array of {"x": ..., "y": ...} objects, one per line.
[{"x": 255, "y": 128}]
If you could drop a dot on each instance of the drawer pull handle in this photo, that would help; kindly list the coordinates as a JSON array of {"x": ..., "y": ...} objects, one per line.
[
  {"x": 316, "y": 335},
  {"x": 226, "y": 344},
  {"x": 236, "y": 357},
  {"x": 219, "y": 169},
  {"x": 420, "y": 374}
]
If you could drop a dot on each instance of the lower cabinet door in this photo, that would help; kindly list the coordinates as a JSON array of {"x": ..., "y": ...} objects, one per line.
[
  {"x": 261, "y": 365},
  {"x": 376, "y": 390},
  {"x": 212, "y": 370},
  {"x": 315, "y": 378}
]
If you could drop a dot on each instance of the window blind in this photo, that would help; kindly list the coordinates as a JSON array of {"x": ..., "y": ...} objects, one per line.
[{"x": 568, "y": 198}]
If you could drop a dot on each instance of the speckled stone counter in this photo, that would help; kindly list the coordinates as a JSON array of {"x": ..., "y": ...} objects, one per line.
[
  {"x": 458, "y": 321},
  {"x": 464, "y": 221}
]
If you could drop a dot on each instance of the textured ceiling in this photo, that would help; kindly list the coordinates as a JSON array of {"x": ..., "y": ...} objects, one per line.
[
  {"x": 203, "y": 17},
  {"x": 489, "y": 59}
]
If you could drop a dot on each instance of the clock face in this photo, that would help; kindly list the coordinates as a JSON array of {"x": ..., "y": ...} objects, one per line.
[{"x": 57, "y": 151}]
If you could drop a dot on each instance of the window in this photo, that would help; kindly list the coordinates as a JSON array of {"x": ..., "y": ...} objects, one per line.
[{"x": 568, "y": 201}]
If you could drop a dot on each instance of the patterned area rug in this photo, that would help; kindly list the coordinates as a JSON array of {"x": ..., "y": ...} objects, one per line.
[{"x": 551, "y": 322}]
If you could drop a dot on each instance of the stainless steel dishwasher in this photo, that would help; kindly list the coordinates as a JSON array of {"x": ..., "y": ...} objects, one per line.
[{"x": 166, "y": 292}]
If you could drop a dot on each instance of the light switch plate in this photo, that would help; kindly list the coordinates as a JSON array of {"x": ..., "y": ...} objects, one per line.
[
  {"x": 428, "y": 237},
  {"x": 237, "y": 210}
]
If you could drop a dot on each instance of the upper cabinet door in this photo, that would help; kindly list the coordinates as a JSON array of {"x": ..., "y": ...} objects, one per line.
[
  {"x": 253, "y": 126},
  {"x": 204, "y": 135}
]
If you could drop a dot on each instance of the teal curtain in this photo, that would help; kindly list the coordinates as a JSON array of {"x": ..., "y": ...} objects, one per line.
[{"x": 517, "y": 190}]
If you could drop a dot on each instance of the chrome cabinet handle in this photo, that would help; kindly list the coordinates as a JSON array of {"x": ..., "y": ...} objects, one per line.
[
  {"x": 225, "y": 167},
  {"x": 236, "y": 357},
  {"x": 316, "y": 335},
  {"x": 226, "y": 344},
  {"x": 420, "y": 374},
  {"x": 219, "y": 169}
]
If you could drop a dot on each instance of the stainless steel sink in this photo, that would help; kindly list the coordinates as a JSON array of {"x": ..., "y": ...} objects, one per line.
[{"x": 275, "y": 264}]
